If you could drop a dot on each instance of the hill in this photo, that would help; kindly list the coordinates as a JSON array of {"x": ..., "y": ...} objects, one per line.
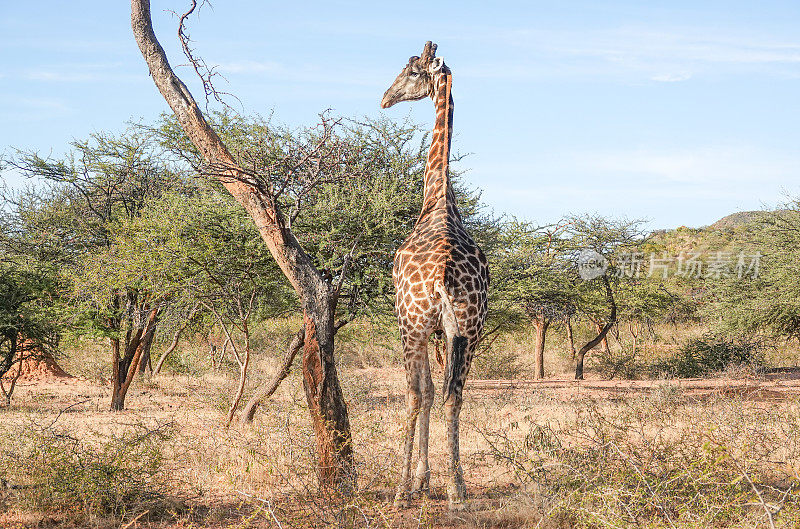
[{"x": 741, "y": 218}]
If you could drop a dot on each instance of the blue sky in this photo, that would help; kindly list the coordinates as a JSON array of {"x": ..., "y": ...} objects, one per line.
[{"x": 677, "y": 112}]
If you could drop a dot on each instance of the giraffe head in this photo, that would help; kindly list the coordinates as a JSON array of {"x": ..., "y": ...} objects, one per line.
[{"x": 415, "y": 81}]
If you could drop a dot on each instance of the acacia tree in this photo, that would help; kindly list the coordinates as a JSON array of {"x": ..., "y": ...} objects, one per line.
[
  {"x": 616, "y": 240},
  {"x": 199, "y": 252},
  {"x": 68, "y": 220},
  {"x": 534, "y": 276},
  {"x": 597, "y": 295},
  {"x": 359, "y": 216},
  {"x": 359, "y": 219},
  {"x": 758, "y": 294},
  {"x": 258, "y": 194},
  {"x": 28, "y": 328}
]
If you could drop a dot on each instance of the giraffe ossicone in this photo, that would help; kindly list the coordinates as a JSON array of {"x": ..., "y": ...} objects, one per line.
[{"x": 441, "y": 278}]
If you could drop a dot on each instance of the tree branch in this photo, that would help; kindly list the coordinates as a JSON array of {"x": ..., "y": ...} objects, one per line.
[
  {"x": 266, "y": 391},
  {"x": 284, "y": 247}
]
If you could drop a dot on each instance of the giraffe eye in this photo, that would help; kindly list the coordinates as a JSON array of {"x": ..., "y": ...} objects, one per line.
[{"x": 414, "y": 74}]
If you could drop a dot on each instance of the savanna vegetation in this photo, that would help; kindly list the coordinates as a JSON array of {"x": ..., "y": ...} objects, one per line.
[
  {"x": 176, "y": 281},
  {"x": 129, "y": 265}
]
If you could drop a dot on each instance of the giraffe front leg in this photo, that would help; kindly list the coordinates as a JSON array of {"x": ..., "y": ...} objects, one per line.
[
  {"x": 422, "y": 476},
  {"x": 456, "y": 488},
  {"x": 403, "y": 495}
]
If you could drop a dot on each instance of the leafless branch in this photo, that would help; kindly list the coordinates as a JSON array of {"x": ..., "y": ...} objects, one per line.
[
  {"x": 266, "y": 391},
  {"x": 345, "y": 266},
  {"x": 205, "y": 73}
]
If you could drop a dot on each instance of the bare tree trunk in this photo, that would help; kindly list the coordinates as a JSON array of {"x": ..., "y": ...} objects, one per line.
[
  {"x": 570, "y": 338},
  {"x": 318, "y": 297},
  {"x": 7, "y": 393},
  {"x": 295, "y": 264},
  {"x": 612, "y": 318},
  {"x": 224, "y": 349},
  {"x": 172, "y": 346},
  {"x": 242, "y": 379},
  {"x": 145, "y": 363},
  {"x": 604, "y": 342},
  {"x": 125, "y": 368},
  {"x": 175, "y": 339},
  {"x": 9, "y": 341},
  {"x": 115, "y": 324},
  {"x": 216, "y": 351},
  {"x": 327, "y": 406},
  {"x": 266, "y": 391},
  {"x": 635, "y": 334},
  {"x": 540, "y": 324}
]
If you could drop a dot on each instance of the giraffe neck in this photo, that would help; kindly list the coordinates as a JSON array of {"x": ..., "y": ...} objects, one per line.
[{"x": 438, "y": 194}]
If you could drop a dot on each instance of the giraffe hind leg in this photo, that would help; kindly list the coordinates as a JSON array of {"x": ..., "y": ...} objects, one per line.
[
  {"x": 415, "y": 352},
  {"x": 456, "y": 487},
  {"x": 460, "y": 349},
  {"x": 459, "y": 353},
  {"x": 422, "y": 476}
]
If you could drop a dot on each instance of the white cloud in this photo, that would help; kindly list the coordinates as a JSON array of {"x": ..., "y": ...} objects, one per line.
[
  {"x": 709, "y": 165},
  {"x": 689, "y": 45},
  {"x": 669, "y": 55},
  {"x": 729, "y": 164},
  {"x": 61, "y": 77},
  {"x": 29, "y": 109},
  {"x": 692, "y": 186},
  {"x": 44, "y": 103},
  {"x": 76, "y": 72},
  {"x": 672, "y": 77}
]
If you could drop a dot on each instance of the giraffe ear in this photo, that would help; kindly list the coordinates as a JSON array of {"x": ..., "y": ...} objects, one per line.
[{"x": 436, "y": 64}]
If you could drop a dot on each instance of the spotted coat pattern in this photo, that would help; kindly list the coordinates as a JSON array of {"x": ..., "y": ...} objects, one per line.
[{"x": 439, "y": 272}]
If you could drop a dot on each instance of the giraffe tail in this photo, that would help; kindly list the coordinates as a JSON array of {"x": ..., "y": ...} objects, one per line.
[
  {"x": 456, "y": 345},
  {"x": 457, "y": 349}
]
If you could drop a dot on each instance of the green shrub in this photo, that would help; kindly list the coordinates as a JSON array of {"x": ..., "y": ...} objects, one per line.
[
  {"x": 494, "y": 364},
  {"x": 616, "y": 365},
  {"x": 702, "y": 356},
  {"x": 189, "y": 361},
  {"x": 55, "y": 472}
]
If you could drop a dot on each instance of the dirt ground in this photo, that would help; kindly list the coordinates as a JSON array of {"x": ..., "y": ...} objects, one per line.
[
  {"x": 777, "y": 385},
  {"x": 219, "y": 464}
]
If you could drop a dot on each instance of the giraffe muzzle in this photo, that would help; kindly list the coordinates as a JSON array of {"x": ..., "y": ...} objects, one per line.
[{"x": 388, "y": 98}]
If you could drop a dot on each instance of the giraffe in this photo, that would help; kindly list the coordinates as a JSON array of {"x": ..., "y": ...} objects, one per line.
[{"x": 441, "y": 279}]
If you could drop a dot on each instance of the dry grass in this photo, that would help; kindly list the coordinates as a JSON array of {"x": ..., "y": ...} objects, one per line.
[
  {"x": 655, "y": 460},
  {"x": 563, "y": 455}
]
